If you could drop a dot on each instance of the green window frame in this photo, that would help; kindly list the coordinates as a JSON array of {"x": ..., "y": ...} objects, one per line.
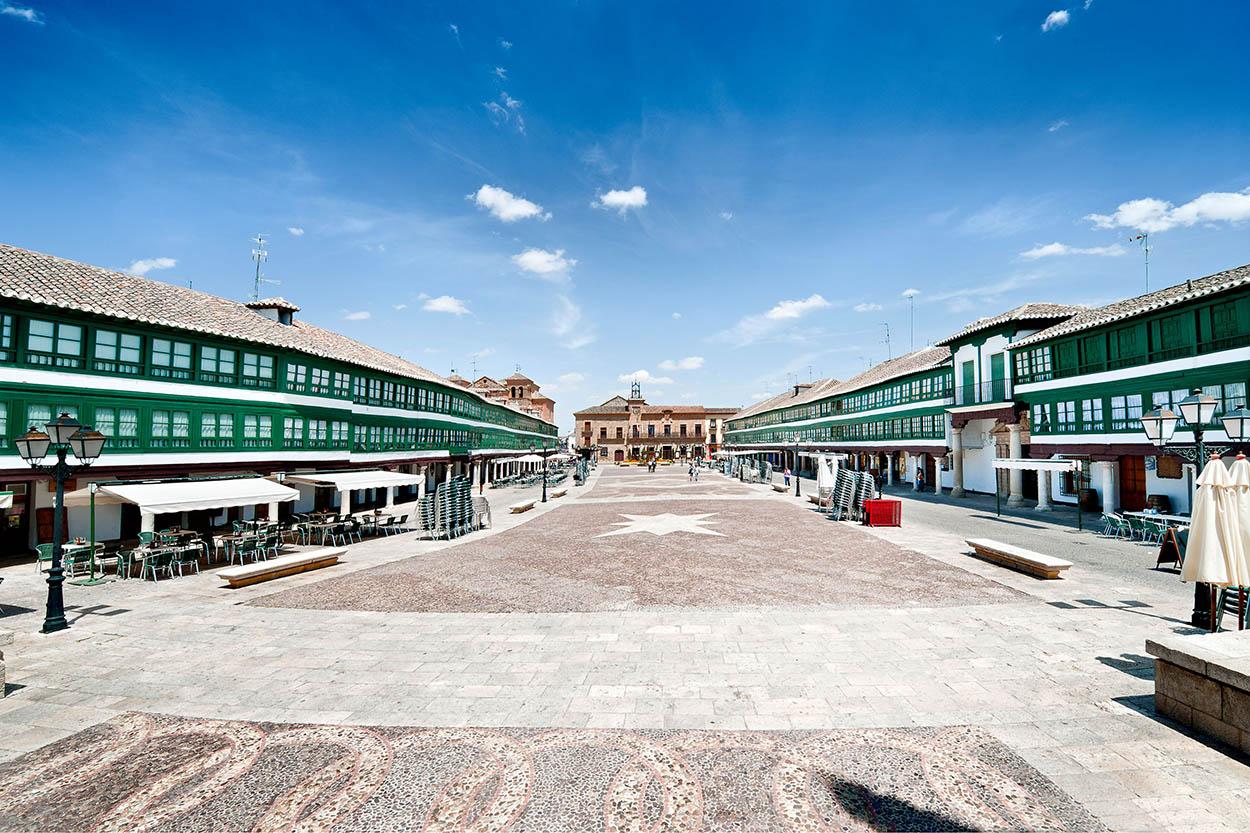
[
  {"x": 319, "y": 381},
  {"x": 171, "y": 359},
  {"x": 115, "y": 352},
  {"x": 7, "y": 328},
  {"x": 342, "y": 384},
  {"x": 257, "y": 431},
  {"x": 296, "y": 377},
  {"x": 217, "y": 429},
  {"x": 258, "y": 370},
  {"x": 120, "y": 425},
  {"x": 218, "y": 364},
  {"x": 292, "y": 432},
  {"x": 171, "y": 429},
  {"x": 54, "y": 343}
]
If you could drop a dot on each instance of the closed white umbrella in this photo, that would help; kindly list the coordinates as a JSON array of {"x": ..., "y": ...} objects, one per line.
[
  {"x": 824, "y": 475},
  {"x": 1239, "y": 475},
  {"x": 1205, "y": 559}
]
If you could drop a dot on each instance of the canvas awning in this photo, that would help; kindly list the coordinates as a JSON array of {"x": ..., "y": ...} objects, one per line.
[
  {"x": 345, "y": 481},
  {"x": 6, "y": 500},
  {"x": 1026, "y": 464},
  {"x": 529, "y": 458},
  {"x": 192, "y": 495}
]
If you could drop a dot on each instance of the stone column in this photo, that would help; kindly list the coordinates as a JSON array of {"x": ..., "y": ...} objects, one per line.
[
  {"x": 1110, "y": 485},
  {"x": 957, "y": 462},
  {"x": 889, "y": 468},
  {"x": 1015, "y": 477},
  {"x": 1043, "y": 491}
]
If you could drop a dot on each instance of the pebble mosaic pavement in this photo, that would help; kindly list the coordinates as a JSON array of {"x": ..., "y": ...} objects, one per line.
[
  {"x": 142, "y": 772},
  {"x": 712, "y": 688}
]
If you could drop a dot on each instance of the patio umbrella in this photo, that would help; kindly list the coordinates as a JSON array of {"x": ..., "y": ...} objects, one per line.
[
  {"x": 1240, "y": 489},
  {"x": 1210, "y": 537},
  {"x": 824, "y": 475}
]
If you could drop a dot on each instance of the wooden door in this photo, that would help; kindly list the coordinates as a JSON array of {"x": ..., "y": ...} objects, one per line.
[
  {"x": 1132, "y": 483},
  {"x": 15, "y": 522}
]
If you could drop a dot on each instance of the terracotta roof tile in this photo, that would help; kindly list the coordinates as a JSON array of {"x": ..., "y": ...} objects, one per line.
[
  {"x": 1038, "y": 311},
  {"x": 1088, "y": 319},
  {"x": 52, "y": 281}
]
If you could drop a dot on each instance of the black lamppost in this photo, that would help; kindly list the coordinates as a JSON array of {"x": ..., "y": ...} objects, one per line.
[
  {"x": 64, "y": 434},
  {"x": 1197, "y": 410},
  {"x": 794, "y": 438},
  {"x": 544, "y": 452}
]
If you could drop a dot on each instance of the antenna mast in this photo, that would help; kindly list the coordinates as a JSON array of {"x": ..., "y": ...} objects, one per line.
[
  {"x": 260, "y": 255},
  {"x": 889, "y": 354},
  {"x": 1144, "y": 240}
]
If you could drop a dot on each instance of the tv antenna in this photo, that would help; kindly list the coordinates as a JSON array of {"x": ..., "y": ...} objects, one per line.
[
  {"x": 260, "y": 255},
  {"x": 889, "y": 354},
  {"x": 1144, "y": 240}
]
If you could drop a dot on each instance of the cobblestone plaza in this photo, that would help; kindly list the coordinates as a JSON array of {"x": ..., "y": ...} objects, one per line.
[{"x": 647, "y": 653}]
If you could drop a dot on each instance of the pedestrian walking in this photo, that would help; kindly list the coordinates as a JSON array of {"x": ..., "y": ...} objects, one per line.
[
  {"x": 690, "y": 473},
  {"x": 786, "y": 475},
  {"x": 919, "y": 480}
]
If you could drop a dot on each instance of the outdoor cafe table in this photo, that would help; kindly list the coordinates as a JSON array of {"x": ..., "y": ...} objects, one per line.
[
  {"x": 72, "y": 551},
  {"x": 1179, "y": 520}
]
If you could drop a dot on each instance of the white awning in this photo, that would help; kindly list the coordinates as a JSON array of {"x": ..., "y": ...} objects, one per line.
[
  {"x": 529, "y": 458},
  {"x": 6, "y": 500},
  {"x": 192, "y": 495},
  {"x": 345, "y": 481},
  {"x": 1026, "y": 464}
]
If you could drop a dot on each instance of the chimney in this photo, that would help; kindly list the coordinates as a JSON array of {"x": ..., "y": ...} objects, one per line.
[{"x": 275, "y": 309}]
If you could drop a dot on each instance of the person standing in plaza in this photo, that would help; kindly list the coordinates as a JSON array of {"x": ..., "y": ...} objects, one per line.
[
  {"x": 919, "y": 479},
  {"x": 786, "y": 475}
]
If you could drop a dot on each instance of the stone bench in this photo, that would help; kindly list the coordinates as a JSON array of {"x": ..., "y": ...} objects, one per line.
[
  {"x": 1203, "y": 682},
  {"x": 523, "y": 506},
  {"x": 561, "y": 492},
  {"x": 285, "y": 565},
  {"x": 780, "y": 487},
  {"x": 1018, "y": 558}
]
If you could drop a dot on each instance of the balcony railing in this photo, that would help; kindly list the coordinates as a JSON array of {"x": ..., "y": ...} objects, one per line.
[{"x": 995, "y": 390}]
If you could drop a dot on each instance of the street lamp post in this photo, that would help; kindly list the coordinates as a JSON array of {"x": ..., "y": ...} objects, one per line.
[
  {"x": 1197, "y": 410},
  {"x": 794, "y": 438},
  {"x": 544, "y": 452},
  {"x": 64, "y": 434}
]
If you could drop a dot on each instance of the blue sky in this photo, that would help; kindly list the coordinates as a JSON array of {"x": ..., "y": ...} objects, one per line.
[{"x": 721, "y": 196}]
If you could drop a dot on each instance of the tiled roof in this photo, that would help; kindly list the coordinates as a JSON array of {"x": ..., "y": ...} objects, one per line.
[
  {"x": 275, "y": 302},
  {"x": 619, "y": 405},
  {"x": 1024, "y": 312},
  {"x": 1142, "y": 304},
  {"x": 52, "y": 281},
  {"x": 921, "y": 360},
  {"x": 806, "y": 393}
]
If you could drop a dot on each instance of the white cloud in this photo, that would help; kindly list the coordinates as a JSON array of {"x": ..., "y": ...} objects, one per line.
[
  {"x": 21, "y": 13},
  {"x": 295, "y": 231},
  {"x": 399, "y": 307},
  {"x": 968, "y": 297},
  {"x": 796, "y": 309},
  {"x": 1005, "y": 217},
  {"x": 1088, "y": 3},
  {"x": 909, "y": 293},
  {"x": 151, "y": 264},
  {"x": 445, "y": 303},
  {"x": 506, "y": 111},
  {"x": 361, "y": 315},
  {"x": 643, "y": 376},
  {"x": 1056, "y": 20},
  {"x": 566, "y": 324},
  {"x": 760, "y": 396},
  {"x": 622, "y": 201},
  {"x": 754, "y": 328},
  {"x": 501, "y": 73},
  {"x": 506, "y": 44},
  {"x": 1056, "y": 126},
  {"x": 726, "y": 216},
  {"x": 1062, "y": 249},
  {"x": 550, "y": 266},
  {"x": 867, "y": 307},
  {"x": 569, "y": 380},
  {"x": 676, "y": 316},
  {"x": 688, "y": 363},
  {"x": 1151, "y": 215},
  {"x": 507, "y": 206}
]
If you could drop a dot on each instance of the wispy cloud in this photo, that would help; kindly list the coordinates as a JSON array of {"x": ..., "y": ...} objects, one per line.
[
  {"x": 755, "y": 328},
  {"x": 726, "y": 216},
  {"x": 567, "y": 325},
  {"x": 399, "y": 307},
  {"x": 359, "y": 315},
  {"x": 1056, "y": 126},
  {"x": 550, "y": 266},
  {"x": 1062, "y": 249},
  {"x": 570, "y": 379},
  {"x": 151, "y": 264},
  {"x": 911, "y": 292},
  {"x": 295, "y": 231},
  {"x": 1005, "y": 217},
  {"x": 688, "y": 363},
  {"x": 505, "y": 44},
  {"x": 21, "y": 13},
  {"x": 676, "y": 316},
  {"x": 483, "y": 353},
  {"x": 622, "y": 201},
  {"x": 644, "y": 376},
  {"x": 972, "y": 297},
  {"x": 501, "y": 73},
  {"x": 1152, "y": 215},
  {"x": 506, "y": 206},
  {"x": 447, "y": 304},
  {"x": 1056, "y": 20},
  {"x": 455, "y": 33},
  {"x": 506, "y": 110},
  {"x": 867, "y": 307}
]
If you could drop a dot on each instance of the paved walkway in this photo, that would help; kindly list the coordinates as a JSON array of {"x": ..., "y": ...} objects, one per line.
[{"x": 1031, "y": 704}]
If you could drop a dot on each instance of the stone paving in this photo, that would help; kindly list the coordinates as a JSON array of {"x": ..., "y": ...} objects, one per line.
[{"x": 1045, "y": 685}]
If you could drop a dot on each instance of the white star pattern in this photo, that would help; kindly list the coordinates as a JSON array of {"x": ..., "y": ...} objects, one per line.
[{"x": 663, "y": 524}]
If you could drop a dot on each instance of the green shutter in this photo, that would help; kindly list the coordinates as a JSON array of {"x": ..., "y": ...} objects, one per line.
[{"x": 1093, "y": 353}]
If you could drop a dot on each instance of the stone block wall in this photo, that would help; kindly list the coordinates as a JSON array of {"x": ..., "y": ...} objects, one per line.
[{"x": 1204, "y": 703}]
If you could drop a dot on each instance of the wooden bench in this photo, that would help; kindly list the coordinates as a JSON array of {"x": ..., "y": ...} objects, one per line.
[
  {"x": 560, "y": 492},
  {"x": 523, "y": 506},
  {"x": 1018, "y": 558},
  {"x": 284, "y": 565}
]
